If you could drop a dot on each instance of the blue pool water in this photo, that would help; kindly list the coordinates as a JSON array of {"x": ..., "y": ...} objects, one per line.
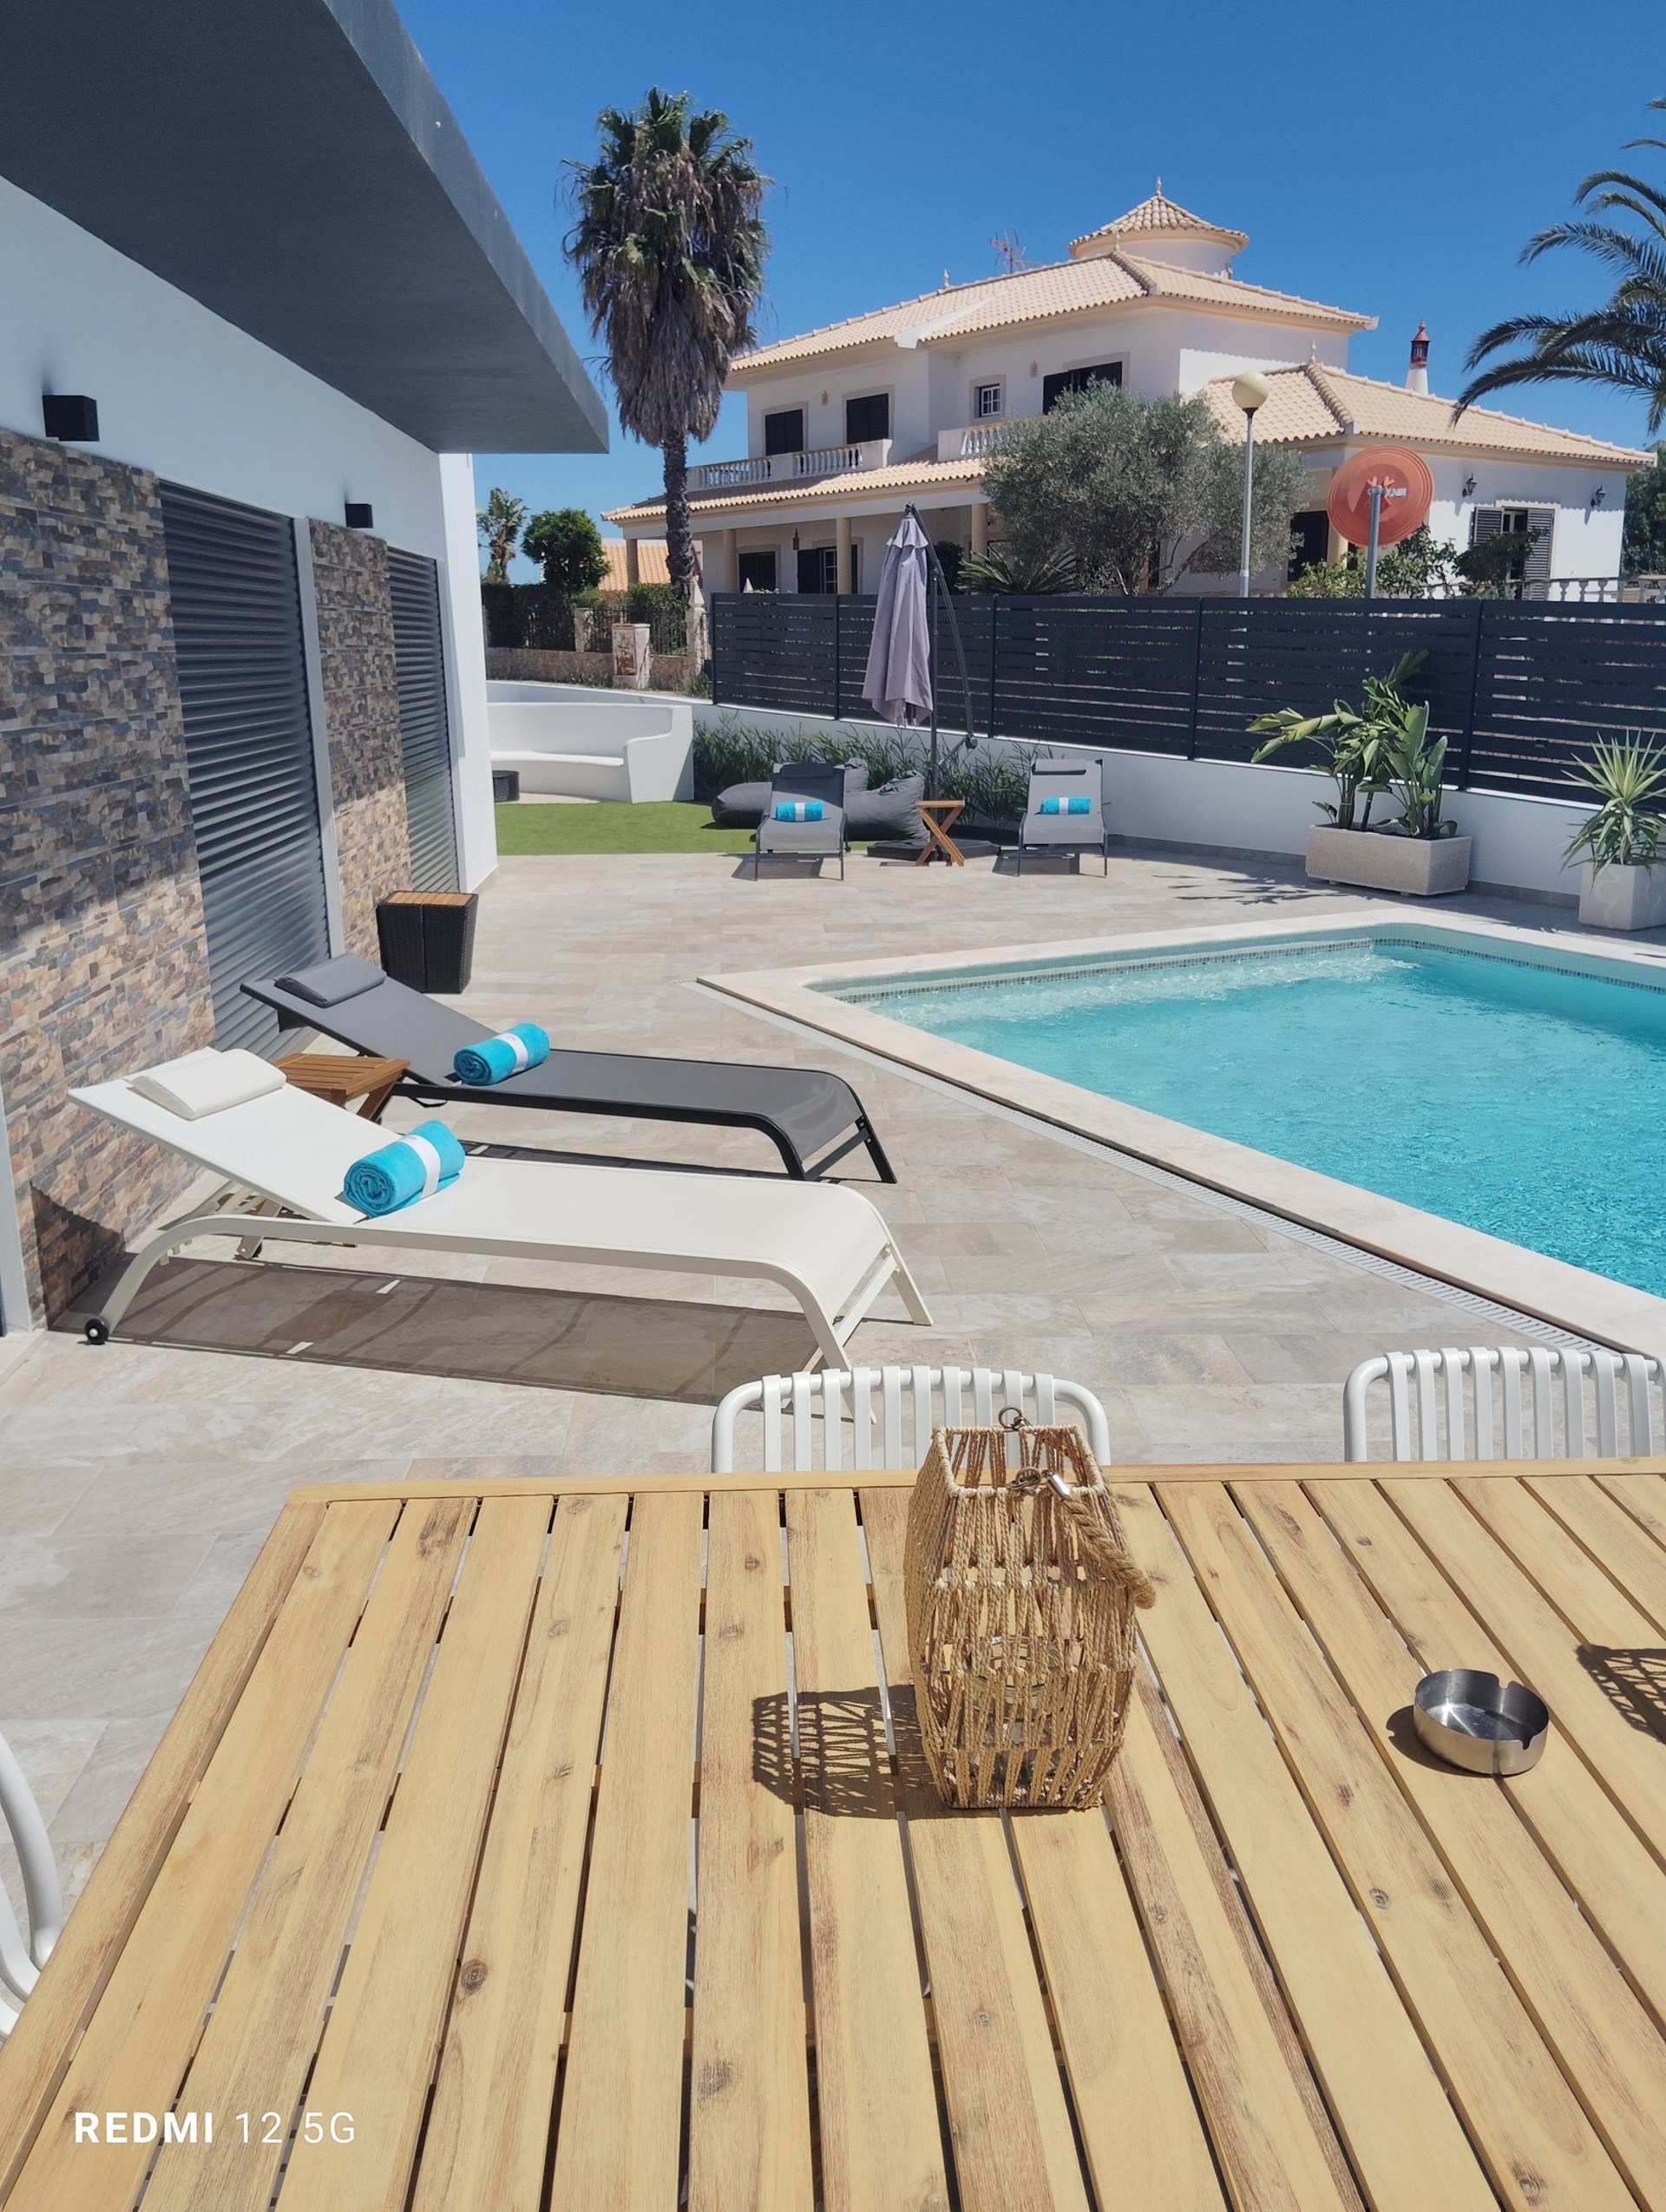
[{"x": 1520, "y": 1099}]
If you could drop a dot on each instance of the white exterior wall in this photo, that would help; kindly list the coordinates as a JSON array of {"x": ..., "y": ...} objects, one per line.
[
  {"x": 894, "y": 369},
  {"x": 1163, "y": 351},
  {"x": 1585, "y": 540},
  {"x": 187, "y": 395}
]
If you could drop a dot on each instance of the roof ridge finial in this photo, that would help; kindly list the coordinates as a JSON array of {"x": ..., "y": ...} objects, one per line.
[{"x": 1157, "y": 193}]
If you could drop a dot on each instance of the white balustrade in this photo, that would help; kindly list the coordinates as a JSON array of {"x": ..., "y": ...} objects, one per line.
[
  {"x": 789, "y": 467},
  {"x": 970, "y": 441}
]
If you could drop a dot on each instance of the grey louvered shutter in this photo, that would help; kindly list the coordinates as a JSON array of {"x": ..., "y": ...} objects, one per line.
[
  {"x": 425, "y": 728},
  {"x": 1542, "y": 519},
  {"x": 236, "y": 604}
]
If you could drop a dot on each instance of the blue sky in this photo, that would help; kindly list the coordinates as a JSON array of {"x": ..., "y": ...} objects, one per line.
[{"x": 1394, "y": 161}]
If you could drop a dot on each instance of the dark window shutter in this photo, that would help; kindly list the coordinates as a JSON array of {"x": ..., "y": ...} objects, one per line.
[
  {"x": 425, "y": 726},
  {"x": 1484, "y": 523},
  {"x": 784, "y": 432},
  {"x": 236, "y": 606},
  {"x": 1077, "y": 380},
  {"x": 870, "y": 417}
]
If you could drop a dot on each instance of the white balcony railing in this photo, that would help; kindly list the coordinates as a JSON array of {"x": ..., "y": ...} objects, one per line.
[
  {"x": 789, "y": 467},
  {"x": 971, "y": 441},
  {"x": 1646, "y": 591}
]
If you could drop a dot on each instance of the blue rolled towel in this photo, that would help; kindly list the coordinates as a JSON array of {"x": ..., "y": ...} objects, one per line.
[
  {"x": 426, "y": 1159},
  {"x": 1078, "y": 803},
  {"x": 495, "y": 1058},
  {"x": 798, "y": 810}
]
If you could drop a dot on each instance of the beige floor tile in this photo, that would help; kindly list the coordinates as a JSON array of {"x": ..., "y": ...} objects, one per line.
[{"x": 146, "y": 1473}]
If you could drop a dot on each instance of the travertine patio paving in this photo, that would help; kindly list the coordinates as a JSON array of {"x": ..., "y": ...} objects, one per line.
[{"x": 137, "y": 1481}]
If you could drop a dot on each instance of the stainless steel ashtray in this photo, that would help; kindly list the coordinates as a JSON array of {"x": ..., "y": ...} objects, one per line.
[{"x": 1472, "y": 1719}]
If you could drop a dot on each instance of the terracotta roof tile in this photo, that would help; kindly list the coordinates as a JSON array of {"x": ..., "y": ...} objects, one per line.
[
  {"x": 1314, "y": 404},
  {"x": 917, "y": 475},
  {"x": 1159, "y": 216},
  {"x": 1108, "y": 280}
]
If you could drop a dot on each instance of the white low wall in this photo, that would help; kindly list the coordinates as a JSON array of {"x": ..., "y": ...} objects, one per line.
[
  {"x": 567, "y": 741},
  {"x": 1236, "y": 808}
]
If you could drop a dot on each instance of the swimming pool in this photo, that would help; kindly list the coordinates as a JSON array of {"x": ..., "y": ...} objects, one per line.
[{"x": 1524, "y": 1099}]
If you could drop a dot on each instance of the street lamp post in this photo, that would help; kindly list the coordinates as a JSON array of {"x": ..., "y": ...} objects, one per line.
[{"x": 1249, "y": 391}]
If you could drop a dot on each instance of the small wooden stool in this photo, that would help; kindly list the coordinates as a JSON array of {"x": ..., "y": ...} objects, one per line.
[
  {"x": 940, "y": 817},
  {"x": 343, "y": 1077}
]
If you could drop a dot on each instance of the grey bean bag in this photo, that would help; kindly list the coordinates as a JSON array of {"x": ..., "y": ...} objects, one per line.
[{"x": 887, "y": 812}]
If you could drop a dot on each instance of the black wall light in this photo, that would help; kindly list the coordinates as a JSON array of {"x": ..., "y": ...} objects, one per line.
[
  {"x": 71, "y": 416},
  {"x": 360, "y": 516}
]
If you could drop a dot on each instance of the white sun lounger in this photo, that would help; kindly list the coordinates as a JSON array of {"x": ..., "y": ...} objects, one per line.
[{"x": 823, "y": 1242}]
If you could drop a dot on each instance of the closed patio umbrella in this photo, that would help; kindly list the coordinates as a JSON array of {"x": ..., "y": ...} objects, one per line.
[
  {"x": 898, "y": 681},
  {"x": 897, "y": 684}
]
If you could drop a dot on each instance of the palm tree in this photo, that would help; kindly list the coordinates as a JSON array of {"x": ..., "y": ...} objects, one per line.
[
  {"x": 1622, "y": 343},
  {"x": 670, "y": 248},
  {"x": 499, "y": 522}
]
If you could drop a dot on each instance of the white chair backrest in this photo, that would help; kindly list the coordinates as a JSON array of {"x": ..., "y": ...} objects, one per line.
[
  {"x": 888, "y": 1413},
  {"x": 288, "y": 1146},
  {"x": 21, "y": 1957},
  {"x": 1537, "y": 1402}
]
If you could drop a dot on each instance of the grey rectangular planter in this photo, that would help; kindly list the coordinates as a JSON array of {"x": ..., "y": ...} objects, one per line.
[
  {"x": 1622, "y": 898},
  {"x": 1421, "y": 867}
]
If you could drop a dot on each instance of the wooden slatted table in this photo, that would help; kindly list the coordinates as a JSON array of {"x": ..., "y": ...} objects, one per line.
[{"x": 519, "y": 1845}]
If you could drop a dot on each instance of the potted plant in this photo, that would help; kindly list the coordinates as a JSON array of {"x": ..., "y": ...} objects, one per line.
[
  {"x": 1379, "y": 749},
  {"x": 1621, "y": 883}
]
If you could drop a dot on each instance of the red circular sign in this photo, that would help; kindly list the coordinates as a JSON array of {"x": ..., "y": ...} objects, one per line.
[{"x": 1407, "y": 488}]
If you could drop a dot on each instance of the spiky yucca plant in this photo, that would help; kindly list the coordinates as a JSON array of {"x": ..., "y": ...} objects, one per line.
[{"x": 1628, "y": 774}]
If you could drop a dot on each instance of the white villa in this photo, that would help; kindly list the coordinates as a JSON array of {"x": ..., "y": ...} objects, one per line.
[{"x": 847, "y": 423}]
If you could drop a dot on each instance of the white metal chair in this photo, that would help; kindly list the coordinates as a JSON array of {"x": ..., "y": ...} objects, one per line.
[
  {"x": 22, "y": 1958},
  {"x": 1537, "y": 1401},
  {"x": 891, "y": 1412}
]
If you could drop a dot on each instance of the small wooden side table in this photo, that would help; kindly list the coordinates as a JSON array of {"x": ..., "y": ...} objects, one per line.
[
  {"x": 940, "y": 817},
  {"x": 343, "y": 1077}
]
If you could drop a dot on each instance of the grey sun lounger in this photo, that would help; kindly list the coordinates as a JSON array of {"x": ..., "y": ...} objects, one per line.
[
  {"x": 1061, "y": 831},
  {"x": 820, "y": 783},
  {"x": 812, "y": 1119}
]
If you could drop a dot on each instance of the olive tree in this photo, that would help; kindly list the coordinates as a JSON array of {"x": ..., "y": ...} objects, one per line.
[{"x": 1134, "y": 492}]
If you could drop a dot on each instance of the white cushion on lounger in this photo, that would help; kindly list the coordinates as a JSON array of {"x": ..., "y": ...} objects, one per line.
[{"x": 207, "y": 1082}]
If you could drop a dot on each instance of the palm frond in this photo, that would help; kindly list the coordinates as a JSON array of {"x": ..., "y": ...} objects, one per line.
[{"x": 1621, "y": 342}]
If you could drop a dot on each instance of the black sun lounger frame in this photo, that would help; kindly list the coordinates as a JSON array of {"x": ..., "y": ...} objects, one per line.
[{"x": 813, "y": 1119}]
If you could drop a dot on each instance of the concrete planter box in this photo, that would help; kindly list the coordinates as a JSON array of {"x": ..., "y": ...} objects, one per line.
[
  {"x": 1622, "y": 898},
  {"x": 1419, "y": 868}
]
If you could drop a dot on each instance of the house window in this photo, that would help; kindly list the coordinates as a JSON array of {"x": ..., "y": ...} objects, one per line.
[
  {"x": 758, "y": 571},
  {"x": 1077, "y": 380},
  {"x": 1534, "y": 526},
  {"x": 818, "y": 569},
  {"x": 1309, "y": 539},
  {"x": 985, "y": 402},
  {"x": 870, "y": 417},
  {"x": 783, "y": 432}
]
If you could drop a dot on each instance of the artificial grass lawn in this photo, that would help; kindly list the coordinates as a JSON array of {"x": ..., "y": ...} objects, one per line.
[{"x": 657, "y": 825}]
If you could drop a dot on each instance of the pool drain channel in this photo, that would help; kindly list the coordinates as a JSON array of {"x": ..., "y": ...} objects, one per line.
[{"x": 1487, "y": 1310}]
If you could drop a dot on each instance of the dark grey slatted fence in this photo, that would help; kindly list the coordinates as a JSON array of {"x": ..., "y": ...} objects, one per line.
[
  {"x": 425, "y": 728},
  {"x": 1519, "y": 690},
  {"x": 1548, "y": 684},
  {"x": 1257, "y": 654},
  {"x": 248, "y": 737}
]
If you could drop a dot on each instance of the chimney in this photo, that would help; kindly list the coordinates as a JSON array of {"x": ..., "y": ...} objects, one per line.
[{"x": 1417, "y": 375}]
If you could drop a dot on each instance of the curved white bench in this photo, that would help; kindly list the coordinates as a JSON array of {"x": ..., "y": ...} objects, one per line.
[{"x": 573, "y": 744}]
